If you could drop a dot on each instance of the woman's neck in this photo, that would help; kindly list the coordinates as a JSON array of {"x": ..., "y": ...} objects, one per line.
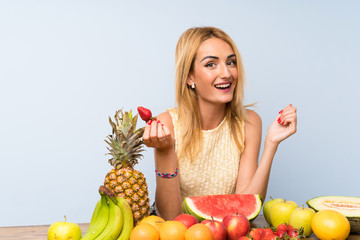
[{"x": 211, "y": 115}]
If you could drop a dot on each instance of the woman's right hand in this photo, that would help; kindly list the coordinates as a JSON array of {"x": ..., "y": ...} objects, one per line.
[{"x": 157, "y": 135}]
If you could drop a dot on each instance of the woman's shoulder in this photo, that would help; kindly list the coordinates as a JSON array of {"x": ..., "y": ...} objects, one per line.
[
  {"x": 164, "y": 116},
  {"x": 168, "y": 114},
  {"x": 253, "y": 127},
  {"x": 253, "y": 117}
]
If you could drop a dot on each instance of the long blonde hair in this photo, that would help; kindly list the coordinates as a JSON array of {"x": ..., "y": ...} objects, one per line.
[{"x": 186, "y": 99}]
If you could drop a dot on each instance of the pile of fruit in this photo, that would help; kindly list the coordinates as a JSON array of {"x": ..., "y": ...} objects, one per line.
[
  {"x": 325, "y": 216},
  {"x": 187, "y": 227},
  {"x": 155, "y": 228},
  {"x": 283, "y": 231},
  {"x": 124, "y": 203}
]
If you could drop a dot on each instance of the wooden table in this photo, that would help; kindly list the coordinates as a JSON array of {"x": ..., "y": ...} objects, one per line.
[{"x": 40, "y": 232}]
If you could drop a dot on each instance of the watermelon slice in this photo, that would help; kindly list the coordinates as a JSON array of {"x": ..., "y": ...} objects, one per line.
[{"x": 218, "y": 206}]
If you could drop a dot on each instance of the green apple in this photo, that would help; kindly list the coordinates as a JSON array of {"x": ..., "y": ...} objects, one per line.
[
  {"x": 301, "y": 217},
  {"x": 64, "y": 231},
  {"x": 280, "y": 212},
  {"x": 267, "y": 207}
]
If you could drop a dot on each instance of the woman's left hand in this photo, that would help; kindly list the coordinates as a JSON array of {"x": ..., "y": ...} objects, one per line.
[{"x": 283, "y": 126}]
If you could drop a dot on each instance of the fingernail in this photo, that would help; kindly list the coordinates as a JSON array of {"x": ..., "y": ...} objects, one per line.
[
  {"x": 158, "y": 121},
  {"x": 149, "y": 122},
  {"x": 279, "y": 120},
  {"x": 281, "y": 112},
  {"x": 162, "y": 125}
]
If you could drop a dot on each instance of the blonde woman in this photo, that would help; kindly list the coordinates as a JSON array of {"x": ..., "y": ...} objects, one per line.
[{"x": 209, "y": 143}]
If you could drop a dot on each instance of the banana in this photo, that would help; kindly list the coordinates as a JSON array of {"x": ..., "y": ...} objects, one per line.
[
  {"x": 100, "y": 221},
  {"x": 128, "y": 218},
  {"x": 94, "y": 216},
  {"x": 115, "y": 223}
]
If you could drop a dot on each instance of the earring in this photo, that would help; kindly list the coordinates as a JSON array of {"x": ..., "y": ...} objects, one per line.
[{"x": 193, "y": 85}]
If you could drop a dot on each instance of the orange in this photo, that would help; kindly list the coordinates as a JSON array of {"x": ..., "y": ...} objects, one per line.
[
  {"x": 172, "y": 230},
  {"x": 144, "y": 231},
  {"x": 199, "y": 231},
  {"x": 330, "y": 224},
  {"x": 154, "y": 220}
]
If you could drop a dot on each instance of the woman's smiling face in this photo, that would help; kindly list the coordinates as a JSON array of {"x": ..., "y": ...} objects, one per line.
[{"x": 214, "y": 72}]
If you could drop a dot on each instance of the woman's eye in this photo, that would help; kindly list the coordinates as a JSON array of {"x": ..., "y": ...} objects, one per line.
[
  {"x": 210, "y": 64},
  {"x": 232, "y": 62}
]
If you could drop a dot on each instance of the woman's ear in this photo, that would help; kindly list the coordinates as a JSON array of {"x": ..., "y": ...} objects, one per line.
[{"x": 189, "y": 80}]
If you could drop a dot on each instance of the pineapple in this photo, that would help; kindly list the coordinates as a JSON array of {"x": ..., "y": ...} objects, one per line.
[{"x": 125, "y": 145}]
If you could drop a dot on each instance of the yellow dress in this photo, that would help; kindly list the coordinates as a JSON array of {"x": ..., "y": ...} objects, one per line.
[{"x": 215, "y": 170}]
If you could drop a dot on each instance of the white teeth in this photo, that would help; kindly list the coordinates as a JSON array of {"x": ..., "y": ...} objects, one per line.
[{"x": 226, "y": 85}]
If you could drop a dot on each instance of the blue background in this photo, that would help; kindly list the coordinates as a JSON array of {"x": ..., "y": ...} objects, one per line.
[{"x": 65, "y": 66}]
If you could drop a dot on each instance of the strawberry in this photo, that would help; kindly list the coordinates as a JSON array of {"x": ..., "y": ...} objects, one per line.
[
  {"x": 255, "y": 234},
  {"x": 291, "y": 231},
  {"x": 282, "y": 228},
  {"x": 280, "y": 234},
  {"x": 145, "y": 113},
  {"x": 270, "y": 237},
  {"x": 262, "y": 232},
  {"x": 268, "y": 232}
]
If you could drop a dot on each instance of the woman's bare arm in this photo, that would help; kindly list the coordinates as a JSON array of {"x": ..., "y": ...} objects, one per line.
[
  {"x": 160, "y": 135},
  {"x": 254, "y": 177}
]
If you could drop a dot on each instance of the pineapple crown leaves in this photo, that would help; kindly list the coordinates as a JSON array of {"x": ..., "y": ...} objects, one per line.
[{"x": 125, "y": 143}]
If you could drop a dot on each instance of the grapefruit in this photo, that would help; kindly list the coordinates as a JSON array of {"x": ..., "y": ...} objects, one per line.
[
  {"x": 199, "y": 231},
  {"x": 172, "y": 230},
  {"x": 330, "y": 225},
  {"x": 144, "y": 231}
]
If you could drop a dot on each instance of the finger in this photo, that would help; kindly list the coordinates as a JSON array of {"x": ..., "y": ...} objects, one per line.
[
  {"x": 288, "y": 119},
  {"x": 153, "y": 132},
  {"x": 287, "y": 109},
  {"x": 160, "y": 132},
  {"x": 287, "y": 115},
  {"x": 166, "y": 131},
  {"x": 146, "y": 135},
  {"x": 286, "y": 112},
  {"x": 291, "y": 124},
  {"x": 291, "y": 109}
]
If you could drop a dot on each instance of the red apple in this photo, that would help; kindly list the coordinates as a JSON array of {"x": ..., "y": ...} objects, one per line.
[
  {"x": 237, "y": 225},
  {"x": 187, "y": 219},
  {"x": 217, "y": 228}
]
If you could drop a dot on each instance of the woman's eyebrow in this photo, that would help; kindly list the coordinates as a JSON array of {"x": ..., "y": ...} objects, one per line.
[
  {"x": 230, "y": 56},
  {"x": 209, "y": 57}
]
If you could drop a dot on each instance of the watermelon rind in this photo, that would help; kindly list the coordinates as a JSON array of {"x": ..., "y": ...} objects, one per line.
[
  {"x": 189, "y": 208},
  {"x": 352, "y": 213},
  {"x": 188, "y": 211},
  {"x": 184, "y": 208}
]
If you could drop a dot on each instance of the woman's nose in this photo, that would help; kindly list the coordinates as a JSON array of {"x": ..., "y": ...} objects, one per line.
[{"x": 224, "y": 71}]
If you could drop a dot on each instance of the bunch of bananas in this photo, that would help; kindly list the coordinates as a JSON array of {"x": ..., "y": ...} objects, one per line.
[{"x": 112, "y": 218}]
